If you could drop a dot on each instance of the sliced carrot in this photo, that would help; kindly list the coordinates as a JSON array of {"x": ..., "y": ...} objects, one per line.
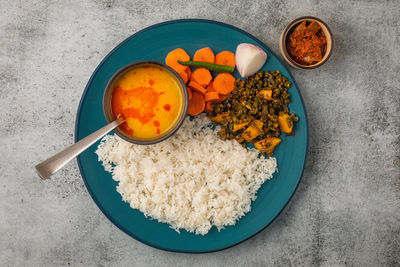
[
  {"x": 183, "y": 75},
  {"x": 201, "y": 76},
  {"x": 205, "y": 54},
  {"x": 173, "y": 56},
  {"x": 188, "y": 72},
  {"x": 189, "y": 92},
  {"x": 210, "y": 87},
  {"x": 225, "y": 58},
  {"x": 221, "y": 98},
  {"x": 197, "y": 87},
  {"x": 196, "y": 104},
  {"x": 208, "y": 107},
  {"x": 211, "y": 96},
  {"x": 224, "y": 83}
]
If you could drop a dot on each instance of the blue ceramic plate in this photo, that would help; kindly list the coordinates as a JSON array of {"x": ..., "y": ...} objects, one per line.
[{"x": 153, "y": 43}]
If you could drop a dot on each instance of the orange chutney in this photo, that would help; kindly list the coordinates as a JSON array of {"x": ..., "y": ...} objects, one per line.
[{"x": 150, "y": 99}]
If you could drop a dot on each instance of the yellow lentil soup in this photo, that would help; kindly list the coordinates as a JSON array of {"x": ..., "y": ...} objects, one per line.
[{"x": 150, "y": 99}]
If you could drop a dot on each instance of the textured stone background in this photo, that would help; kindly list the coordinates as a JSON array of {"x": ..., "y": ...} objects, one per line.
[{"x": 347, "y": 208}]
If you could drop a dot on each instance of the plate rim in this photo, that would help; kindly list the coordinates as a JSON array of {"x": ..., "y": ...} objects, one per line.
[{"x": 83, "y": 97}]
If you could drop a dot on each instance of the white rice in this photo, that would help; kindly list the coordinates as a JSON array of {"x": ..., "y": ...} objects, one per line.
[{"x": 192, "y": 181}]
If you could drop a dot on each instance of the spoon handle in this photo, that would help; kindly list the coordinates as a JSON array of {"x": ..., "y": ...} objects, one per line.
[{"x": 56, "y": 162}]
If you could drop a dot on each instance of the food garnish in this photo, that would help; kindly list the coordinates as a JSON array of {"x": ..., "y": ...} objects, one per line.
[
  {"x": 173, "y": 57},
  {"x": 224, "y": 83},
  {"x": 226, "y": 58},
  {"x": 196, "y": 104},
  {"x": 249, "y": 59},
  {"x": 184, "y": 75},
  {"x": 197, "y": 87},
  {"x": 211, "y": 96},
  {"x": 201, "y": 76},
  {"x": 205, "y": 54},
  {"x": 209, "y": 66}
]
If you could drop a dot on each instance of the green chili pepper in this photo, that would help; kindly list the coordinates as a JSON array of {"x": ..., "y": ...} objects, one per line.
[{"x": 209, "y": 66}]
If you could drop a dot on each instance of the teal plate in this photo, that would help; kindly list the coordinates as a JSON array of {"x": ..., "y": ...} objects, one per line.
[{"x": 153, "y": 43}]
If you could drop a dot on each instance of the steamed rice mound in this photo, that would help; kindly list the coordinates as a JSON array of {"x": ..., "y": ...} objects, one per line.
[{"x": 192, "y": 181}]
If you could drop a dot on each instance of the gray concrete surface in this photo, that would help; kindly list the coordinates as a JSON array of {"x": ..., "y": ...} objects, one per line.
[{"x": 347, "y": 208}]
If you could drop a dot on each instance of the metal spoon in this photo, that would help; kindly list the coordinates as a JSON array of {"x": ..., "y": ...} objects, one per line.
[{"x": 56, "y": 162}]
